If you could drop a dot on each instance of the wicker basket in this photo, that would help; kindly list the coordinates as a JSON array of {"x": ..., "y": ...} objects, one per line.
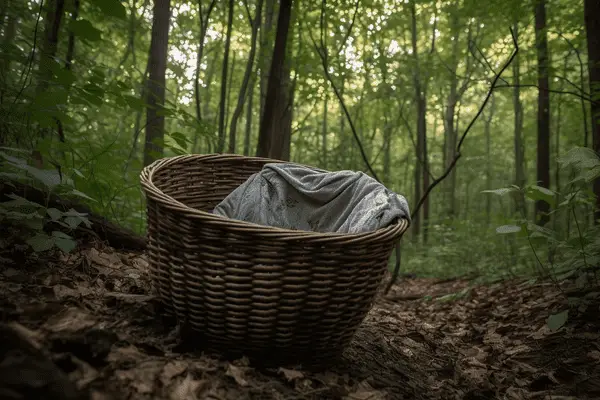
[{"x": 276, "y": 295}]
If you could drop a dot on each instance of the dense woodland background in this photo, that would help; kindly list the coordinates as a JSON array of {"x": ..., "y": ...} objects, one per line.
[{"x": 93, "y": 90}]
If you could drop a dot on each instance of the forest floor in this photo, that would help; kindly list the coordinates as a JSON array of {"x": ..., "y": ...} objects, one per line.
[{"x": 83, "y": 326}]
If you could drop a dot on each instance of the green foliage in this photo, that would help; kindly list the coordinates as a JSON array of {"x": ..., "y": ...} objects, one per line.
[
  {"x": 564, "y": 252},
  {"x": 33, "y": 218}
]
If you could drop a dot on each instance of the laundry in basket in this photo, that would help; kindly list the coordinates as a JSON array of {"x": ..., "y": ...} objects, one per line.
[{"x": 292, "y": 196}]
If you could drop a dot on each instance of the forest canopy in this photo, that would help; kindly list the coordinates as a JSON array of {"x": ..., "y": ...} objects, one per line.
[{"x": 94, "y": 90}]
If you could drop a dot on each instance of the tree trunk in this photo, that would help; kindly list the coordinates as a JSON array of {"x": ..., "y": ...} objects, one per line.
[
  {"x": 488, "y": 159},
  {"x": 54, "y": 15},
  {"x": 592, "y": 25},
  {"x": 451, "y": 135},
  {"x": 422, "y": 138},
  {"x": 518, "y": 132},
  {"x": 543, "y": 138},
  {"x": 270, "y": 144},
  {"x": 416, "y": 226},
  {"x": 324, "y": 128},
  {"x": 203, "y": 28},
  {"x": 387, "y": 150},
  {"x": 5, "y": 61},
  {"x": 157, "y": 66},
  {"x": 249, "y": 115},
  {"x": 71, "y": 45},
  {"x": 242, "y": 95},
  {"x": 266, "y": 48},
  {"x": 221, "y": 137}
]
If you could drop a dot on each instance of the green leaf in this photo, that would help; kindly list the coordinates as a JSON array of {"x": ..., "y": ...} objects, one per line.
[
  {"x": 54, "y": 213},
  {"x": 134, "y": 102},
  {"x": 111, "y": 8},
  {"x": 41, "y": 242},
  {"x": 14, "y": 160},
  {"x": 80, "y": 194},
  {"x": 557, "y": 321},
  {"x": 504, "y": 229},
  {"x": 501, "y": 191},
  {"x": 16, "y": 150},
  {"x": 578, "y": 156},
  {"x": 535, "y": 192},
  {"x": 64, "y": 76},
  {"x": 84, "y": 29},
  {"x": 36, "y": 224},
  {"x": 177, "y": 150},
  {"x": 180, "y": 139},
  {"x": 72, "y": 222},
  {"x": 12, "y": 176},
  {"x": 64, "y": 241},
  {"x": 541, "y": 231}
]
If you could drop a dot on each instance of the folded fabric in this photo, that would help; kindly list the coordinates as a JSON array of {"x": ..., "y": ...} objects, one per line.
[{"x": 298, "y": 197}]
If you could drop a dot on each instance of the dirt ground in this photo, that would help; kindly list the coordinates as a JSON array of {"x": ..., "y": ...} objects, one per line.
[{"x": 84, "y": 326}]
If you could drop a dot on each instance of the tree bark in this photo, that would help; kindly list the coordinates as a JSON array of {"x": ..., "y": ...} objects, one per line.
[
  {"x": 324, "y": 128},
  {"x": 54, "y": 15},
  {"x": 71, "y": 45},
  {"x": 488, "y": 161},
  {"x": 249, "y": 115},
  {"x": 265, "y": 49},
  {"x": 518, "y": 131},
  {"x": 157, "y": 66},
  {"x": 592, "y": 25},
  {"x": 221, "y": 137},
  {"x": 421, "y": 122},
  {"x": 269, "y": 143},
  {"x": 543, "y": 137},
  {"x": 204, "y": 18},
  {"x": 255, "y": 23}
]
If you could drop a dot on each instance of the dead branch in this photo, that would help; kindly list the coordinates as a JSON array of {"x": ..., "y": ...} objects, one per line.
[{"x": 457, "y": 153}]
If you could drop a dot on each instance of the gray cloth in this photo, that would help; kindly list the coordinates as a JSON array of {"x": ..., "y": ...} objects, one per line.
[{"x": 291, "y": 196}]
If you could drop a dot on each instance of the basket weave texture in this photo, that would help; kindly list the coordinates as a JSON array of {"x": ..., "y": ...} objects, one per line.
[{"x": 269, "y": 293}]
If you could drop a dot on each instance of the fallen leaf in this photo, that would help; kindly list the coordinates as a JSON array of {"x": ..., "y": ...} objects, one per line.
[
  {"x": 237, "y": 374},
  {"x": 187, "y": 389},
  {"x": 364, "y": 391},
  {"x": 556, "y": 321},
  {"x": 71, "y": 320},
  {"x": 291, "y": 374},
  {"x": 171, "y": 370}
]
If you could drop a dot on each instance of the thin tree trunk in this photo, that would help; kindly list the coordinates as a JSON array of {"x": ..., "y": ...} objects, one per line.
[
  {"x": 68, "y": 67},
  {"x": 71, "y": 45},
  {"x": 387, "y": 149},
  {"x": 221, "y": 137},
  {"x": 324, "y": 128},
  {"x": 269, "y": 145},
  {"x": 416, "y": 223},
  {"x": 7, "y": 43},
  {"x": 265, "y": 50},
  {"x": 157, "y": 66},
  {"x": 248, "y": 72},
  {"x": 518, "y": 131},
  {"x": 203, "y": 28},
  {"x": 50, "y": 43},
  {"x": 488, "y": 159},
  {"x": 543, "y": 138},
  {"x": 249, "y": 115},
  {"x": 592, "y": 25}
]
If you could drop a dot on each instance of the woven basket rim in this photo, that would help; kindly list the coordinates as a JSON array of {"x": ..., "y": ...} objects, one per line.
[{"x": 272, "y": 232}]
